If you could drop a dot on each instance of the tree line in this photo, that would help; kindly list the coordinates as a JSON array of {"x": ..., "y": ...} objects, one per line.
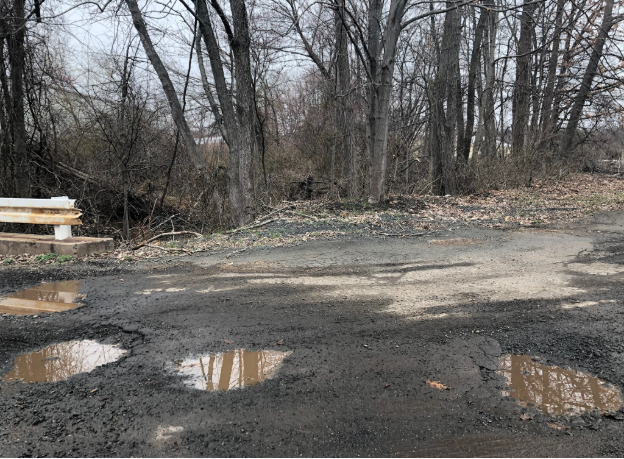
[{"x": 209, "y": 109}]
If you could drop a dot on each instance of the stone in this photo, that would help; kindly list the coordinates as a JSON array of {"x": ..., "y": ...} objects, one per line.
[{"x": 37, "y": 244}]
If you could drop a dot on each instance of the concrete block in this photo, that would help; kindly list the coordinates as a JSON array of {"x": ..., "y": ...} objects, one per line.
[{"x": 35, "y": 244}]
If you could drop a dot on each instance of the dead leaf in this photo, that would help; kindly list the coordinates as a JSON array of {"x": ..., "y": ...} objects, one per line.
[
  {"x": 386, "y": 386},
  {"x": 437, "y": 385},
  {"x": 122, "y": 280},
  {"x": 93, "y": 391},
  {"x": 526, "y": 416},
  {"x": 558, "y": 426}
]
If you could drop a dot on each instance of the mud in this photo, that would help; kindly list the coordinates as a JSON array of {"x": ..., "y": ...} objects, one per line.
[{"x": 366, "y": 322}]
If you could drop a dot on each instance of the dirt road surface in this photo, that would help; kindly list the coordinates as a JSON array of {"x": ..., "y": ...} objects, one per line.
[{"x": 360, "y": 325}]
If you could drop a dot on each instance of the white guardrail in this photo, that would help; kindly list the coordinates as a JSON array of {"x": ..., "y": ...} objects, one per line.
[{"x": 59, "y": 212}]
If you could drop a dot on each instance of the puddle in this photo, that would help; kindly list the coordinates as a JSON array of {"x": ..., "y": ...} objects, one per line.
[
  {"x": 230, "y": 370},
  {"x": 554, "y": 390},
  {"x": 60, "y": 361},
  {"x": 53, "y": 297}
]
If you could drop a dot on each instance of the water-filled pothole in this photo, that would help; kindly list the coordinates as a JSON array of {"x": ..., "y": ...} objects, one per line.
[
  {"x": 60, "y": 361},
  {"x": 230, "y": 370},
  {"x": 53, "y": 297},
  {"x": 554, "y": 390}
]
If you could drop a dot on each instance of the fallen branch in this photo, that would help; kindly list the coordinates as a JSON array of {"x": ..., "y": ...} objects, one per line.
[
  {"x": 168, "y": 249},
  {"x": 399, "y": 234},
  {"x": 252, "y": 226},
  {"x": 172, "y": 233},
  {"x": 288, "y": 209}
]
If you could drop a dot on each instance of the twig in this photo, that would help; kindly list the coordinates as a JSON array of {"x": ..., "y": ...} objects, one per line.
[
  {"x": 172, "y": 233},
  {"x": 275, "y": 211},
  {"x": 302, "y": 214},
  {"x": 167, "y": 249},
  {"x": 161, "y": 224},
  {"x": 252, "y": 226}
]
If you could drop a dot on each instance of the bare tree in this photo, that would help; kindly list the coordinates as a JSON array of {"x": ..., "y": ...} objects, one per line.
[
  {"x": 522, "y": 87},
  {"x": 443, "y": 124},
  {"x": 13, "y": 30},
  {"x": 608, "y": 22},
  {"x": 236, "y": 111}
]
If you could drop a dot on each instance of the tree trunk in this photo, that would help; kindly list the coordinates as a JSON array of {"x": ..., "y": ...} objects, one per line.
[
  {"x": 444, "y": 105},
  {"x": 475, "y": 67},
  {"x": 522, "y": 88},
  {"x": 345, "y": 99},
  {"x": 489, "y": 63},
  {"x": 588, "y": 78},
  {"x": 126, "y": 210},
  {"x": 381, "y": 70},
  {"x": 245, "y": 108},
  {"x": 237, "y": 113},
  {"x": 549, "y": 92},
  {"x": 17, "y": 63},
  {"x": 459, "y": 122},
  {"x": 564, "y": 70},
  {"x": 238, "y": 122},
  {"x": 5, "y": 124}
]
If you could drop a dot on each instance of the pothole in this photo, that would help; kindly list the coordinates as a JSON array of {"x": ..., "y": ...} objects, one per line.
[
  {"x": 53, "y": 297},
  {"x": 60, "y": 361},
  {"x": 230, "y": 370},
  {"x": 556, "y": 391}
]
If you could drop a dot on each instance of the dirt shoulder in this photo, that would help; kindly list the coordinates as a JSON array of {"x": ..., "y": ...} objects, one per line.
[{"x": 561, "y": 204}]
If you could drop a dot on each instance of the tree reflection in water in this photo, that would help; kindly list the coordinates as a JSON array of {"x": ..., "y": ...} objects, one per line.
[
  {"x": 554, "y": 390},
  {"x": 230, "y": 370},
  {"x": 53, "y": 297},
  {"x": 60, "y": 361}
]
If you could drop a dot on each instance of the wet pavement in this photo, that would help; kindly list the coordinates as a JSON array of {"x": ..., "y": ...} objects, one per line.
[{"x": 510, "y": 346}]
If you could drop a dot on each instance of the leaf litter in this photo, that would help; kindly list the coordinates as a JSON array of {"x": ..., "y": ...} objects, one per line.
[{"x": 547, "y": 204}]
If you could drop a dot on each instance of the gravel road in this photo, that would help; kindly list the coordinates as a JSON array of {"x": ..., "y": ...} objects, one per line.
[{"x": 359, "y": 325}]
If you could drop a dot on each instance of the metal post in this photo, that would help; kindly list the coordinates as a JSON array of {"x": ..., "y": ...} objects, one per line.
[{"x": 62, "y": 232}]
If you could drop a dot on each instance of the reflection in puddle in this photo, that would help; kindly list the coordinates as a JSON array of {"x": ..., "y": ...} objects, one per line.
[
  {"x": 554, "y": 390},
  {"x": 60, "y": 361},
  {"x": 54, "y": 297},
  {"x": 230, "y": 370}
]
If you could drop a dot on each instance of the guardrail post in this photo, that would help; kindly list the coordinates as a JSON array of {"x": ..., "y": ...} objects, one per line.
[{"x": 62, "y": 231}]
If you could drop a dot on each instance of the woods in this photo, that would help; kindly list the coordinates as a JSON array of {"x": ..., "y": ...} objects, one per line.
[{"x": 205, "y": 111}]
